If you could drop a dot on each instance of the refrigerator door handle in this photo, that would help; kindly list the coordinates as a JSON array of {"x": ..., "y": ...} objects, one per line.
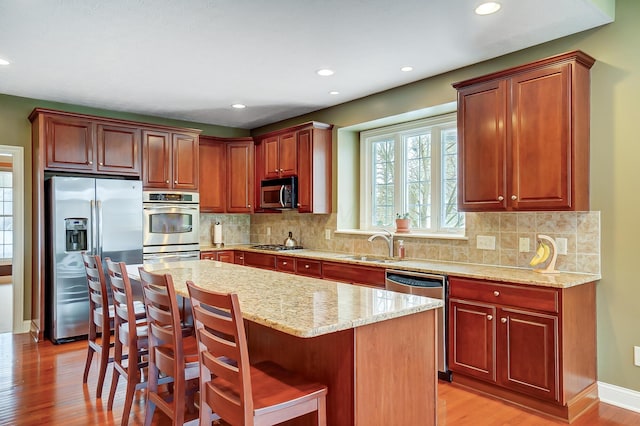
[
  {"x": 99, "y": 209},
  {"x": 94, "y": 247}
]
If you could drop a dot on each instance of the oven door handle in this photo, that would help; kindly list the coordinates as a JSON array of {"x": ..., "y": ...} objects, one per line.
[{"x": 170, "y": 206}]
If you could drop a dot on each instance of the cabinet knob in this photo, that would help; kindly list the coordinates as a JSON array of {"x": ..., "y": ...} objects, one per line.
[
  {"x": 90, "y": 162},
  {"x": 101, "y": 164},
  {"x": 281, "y": 170},
  {"x": 500, "y": 198},
  {"x": 284, "y": 263},
  {"x": 503, "y": 320},
  {"x": 175, "y": 181},
  {"x": 298, "y": 204},
  {"x": 514, "y": 197},
  {"x": 167, "y": 181},
  {"x": 496, "y": 293},
  {"x": 306, "y": 266},
  {"x": 489, "y": 317},
  {"x": 276, "y": 170},
  {"x": 248, "y": 205}
]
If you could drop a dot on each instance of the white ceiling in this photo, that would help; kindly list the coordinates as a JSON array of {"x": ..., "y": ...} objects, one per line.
[{"x": 192, "y": 59}]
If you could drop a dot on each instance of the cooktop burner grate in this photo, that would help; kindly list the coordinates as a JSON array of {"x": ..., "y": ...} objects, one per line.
[{"x": 276, "y": 247}]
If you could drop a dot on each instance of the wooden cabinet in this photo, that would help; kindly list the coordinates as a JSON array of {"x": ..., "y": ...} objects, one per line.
[
  {"x": 286, "y": 264},
  {"x": 305, "y": 151},
  {"x": 220, "y": 175},
  {"x": 523, "y": 137},
  {"x": 532, "y": 345},
  {"x": 240, "y": 169},
  {"x": 354, "y": 274},
  {"x": 226, "y": 256},
  {"x": 280, "y": 155},
  {"x": 209, "y": 255},
  {"x": 238, "y": 257},
  {"x": 260, "y": 260},
  {"x": 170, "y": 160},
  {"x": 85, "y": 144},
  {"x": 309, "y": 267}
]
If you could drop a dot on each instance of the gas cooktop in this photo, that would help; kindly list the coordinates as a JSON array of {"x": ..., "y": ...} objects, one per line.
[{"x": 276, "y": 247}]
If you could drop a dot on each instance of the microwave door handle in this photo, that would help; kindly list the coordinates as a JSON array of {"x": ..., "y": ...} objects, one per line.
[{"x": 282, "y": 195}]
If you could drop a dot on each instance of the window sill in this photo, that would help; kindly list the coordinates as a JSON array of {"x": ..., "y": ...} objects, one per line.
[{"x": 404, "y": 234}]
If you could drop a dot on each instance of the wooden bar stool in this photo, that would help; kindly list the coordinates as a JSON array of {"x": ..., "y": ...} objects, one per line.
[
  {"x": 170, "y": 354},
  {"x": 130, "y": 333},
  {"x": 101, "y": 316},
  {"x": 243, "y": 394}
]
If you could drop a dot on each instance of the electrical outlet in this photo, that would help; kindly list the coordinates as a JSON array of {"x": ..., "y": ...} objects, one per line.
[
  {"x": 486, "y": 242},
  {"x": 636, "y": 356},
  {"x": 327, "y": 234},
  {"x": 561, "y": 243},
  {"x": 525, "y": 245},
  {"x": 268, "y": 231}
]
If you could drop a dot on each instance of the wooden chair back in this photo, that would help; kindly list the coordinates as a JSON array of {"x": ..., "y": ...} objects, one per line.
[
  {"x": 126, "y": 320},
  {"x": 223, "y": 354},
  {"x": 98, "y": 293}
]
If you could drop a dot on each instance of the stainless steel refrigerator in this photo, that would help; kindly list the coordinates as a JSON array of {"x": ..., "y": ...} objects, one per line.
[{"x": 100, "y": 216}]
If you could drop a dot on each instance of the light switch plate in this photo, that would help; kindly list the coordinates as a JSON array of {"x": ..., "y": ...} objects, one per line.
[
  {"x": 525, "y": 245},
  {"x": 636, "y": 356},
  {"x": 268, "y": 231},
  {"x": 327, "y": 234},
  {"x": 486, "y": 242}
]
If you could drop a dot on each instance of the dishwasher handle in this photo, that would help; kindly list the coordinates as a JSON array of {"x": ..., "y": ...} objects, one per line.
[{"x": 415, "y": 281}]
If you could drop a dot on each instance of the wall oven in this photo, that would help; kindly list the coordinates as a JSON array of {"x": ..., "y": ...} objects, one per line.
[{"x": 171, "y": 226}]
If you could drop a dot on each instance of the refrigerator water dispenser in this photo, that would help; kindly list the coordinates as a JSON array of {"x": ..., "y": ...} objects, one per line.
[{"x": 76, "y": 233}]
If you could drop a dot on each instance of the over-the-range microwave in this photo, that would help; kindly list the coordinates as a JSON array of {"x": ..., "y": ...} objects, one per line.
[{"x": 279, "y": 193}]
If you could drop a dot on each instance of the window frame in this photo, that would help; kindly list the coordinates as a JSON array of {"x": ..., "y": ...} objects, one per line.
[{"x": 399, "y": 132}]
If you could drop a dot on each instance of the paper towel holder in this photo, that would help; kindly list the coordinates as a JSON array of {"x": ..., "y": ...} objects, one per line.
[{"x": 216, "y": 235}]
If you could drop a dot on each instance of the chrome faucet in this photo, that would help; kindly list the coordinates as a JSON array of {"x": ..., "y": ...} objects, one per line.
[{"x": 387, "y": 236}]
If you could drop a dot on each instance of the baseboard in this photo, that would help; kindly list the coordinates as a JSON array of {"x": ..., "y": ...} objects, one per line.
[
  {"x": 22, "y": 328},
  {"x": 619, "y": 396}
]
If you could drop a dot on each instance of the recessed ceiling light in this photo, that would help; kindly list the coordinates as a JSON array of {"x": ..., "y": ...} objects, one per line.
[
  {"x": 325, "y": 72},
  {"x": 406, "y": 69},
  {"x": 4, "y": 62},
  {"x": 488, "y": 8},
  {"x": 238, "y": 106},
  {"x": 334, "y": 92}
]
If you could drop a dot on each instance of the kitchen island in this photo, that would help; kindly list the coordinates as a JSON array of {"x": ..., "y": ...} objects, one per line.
[{"x": 374, "y": 349}]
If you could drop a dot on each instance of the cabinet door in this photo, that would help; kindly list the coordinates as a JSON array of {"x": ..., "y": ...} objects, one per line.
[
  {"x": 308, "y": 267},
  {"x": 305, "y": 177},
  {"x": 314, "y": 171},
  {"x": 270, "y": 152},
  {"x": 288, "y": 154},
  {"x": 260, "y": 260},
  {"x": 156, "y": 159},
  {"x": 212, "y": 179},
  {"x": 239, "y": 177},
  {"x": 69, "y": 144},
  {"x": 209, "y": 255},
  {"x": 118, "y": 149},
  {"x": 353, "y": 274},
  {"x": 185, "y": 161},
  {"x": 528, "y": 352},
  {"x": 238, "y": 257},
  {"x": 541, "y": 139},
  {"x": 225, "y": 256},
  {"x": 285, "y": 264},
  {"x": 472, "y": 339},
  {"x": 482, "y": 142}
]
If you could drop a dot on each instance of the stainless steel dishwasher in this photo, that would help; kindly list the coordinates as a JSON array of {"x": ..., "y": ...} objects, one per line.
[{"x": 428, "y": 285}]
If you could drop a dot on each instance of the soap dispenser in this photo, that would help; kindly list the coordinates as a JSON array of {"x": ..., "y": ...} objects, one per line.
[{"x": 400, "y": 249}]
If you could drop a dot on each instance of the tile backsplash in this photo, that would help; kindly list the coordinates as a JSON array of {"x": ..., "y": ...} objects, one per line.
[{"x": 581, "y": 229}]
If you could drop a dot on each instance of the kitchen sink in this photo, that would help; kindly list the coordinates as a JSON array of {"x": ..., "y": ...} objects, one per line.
[{"x": 374, "y": 259}]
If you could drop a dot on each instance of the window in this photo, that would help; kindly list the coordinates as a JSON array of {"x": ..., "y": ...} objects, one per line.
[
  {"x": 411, "y": 168},
  {"x": 6, "y": 214}
]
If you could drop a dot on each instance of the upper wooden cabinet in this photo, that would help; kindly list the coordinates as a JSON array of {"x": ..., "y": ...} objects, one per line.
[
  {"x": 223, "y": 176},
  {"x": 170, "y": 160},
  {"x": 280, "y": 156},
  {"x": 523, "y": 137},
  {"x": 240, "y": 169},
  {"x": 310, "y": 146},
  {"x": 86, "y": 144}
]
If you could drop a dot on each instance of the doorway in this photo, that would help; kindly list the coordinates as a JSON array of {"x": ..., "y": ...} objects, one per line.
[{"x": 12, "y": 240}]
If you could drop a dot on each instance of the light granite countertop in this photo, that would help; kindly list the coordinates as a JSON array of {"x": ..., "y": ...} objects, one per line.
[
  {"x": 465, "y": 270},
  {"x": 294, "y": 304}
]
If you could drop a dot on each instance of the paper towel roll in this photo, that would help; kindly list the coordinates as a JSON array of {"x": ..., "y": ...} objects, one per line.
[{"x": 217, "y": 233}]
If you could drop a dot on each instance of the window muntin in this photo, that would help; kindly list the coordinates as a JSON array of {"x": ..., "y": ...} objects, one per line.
[{"x": 411, "y": 168}]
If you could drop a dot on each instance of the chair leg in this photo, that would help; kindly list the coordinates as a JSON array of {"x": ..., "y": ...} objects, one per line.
[
  {"x": 128, "y": 399},
  {"x": 87, "y": 364},
  {"x": 114, "y": 385},
  {"x": 104, "y": 360}
]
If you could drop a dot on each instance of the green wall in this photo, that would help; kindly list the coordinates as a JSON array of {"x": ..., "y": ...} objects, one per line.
[
  {"x": 615, "y": 159},
  {"x": 15, "y": 130}
]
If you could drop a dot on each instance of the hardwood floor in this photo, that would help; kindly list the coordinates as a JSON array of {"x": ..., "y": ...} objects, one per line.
[{"x": 42, "y": 384}]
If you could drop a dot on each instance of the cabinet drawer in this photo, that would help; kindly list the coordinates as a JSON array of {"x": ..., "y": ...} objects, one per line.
[
  {"x": 354, "y": 274},
  {"x": 238, "y": 257},
  {"x": 211, "y": 255},
  {"x": 529, "y": 297},
  {"x": 285, "y": 264},
  {"x": 311, "y": 268},
  {"x": 259, "y": 260}
]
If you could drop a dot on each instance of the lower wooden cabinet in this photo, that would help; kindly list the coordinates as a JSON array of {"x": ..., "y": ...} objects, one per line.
[
  {"x": 238, "y": 257},
  {"x": 260, "y": 260},
  {"x": 285, "y": 264},
  {"x": 309, "y": 268},
  {"x": 209, "y": 255},
  {"x": 227, "y": 256},
  {"x": 535, "y": 346},
  {"x": 354, "y": 274}
]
